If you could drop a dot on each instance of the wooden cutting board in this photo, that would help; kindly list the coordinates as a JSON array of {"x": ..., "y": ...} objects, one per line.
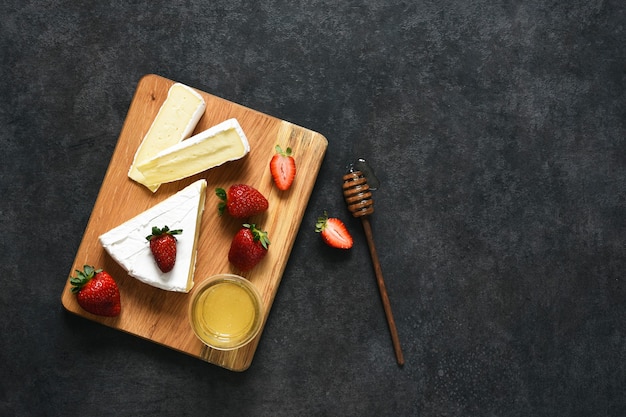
[{"x": 161, "y": 316}]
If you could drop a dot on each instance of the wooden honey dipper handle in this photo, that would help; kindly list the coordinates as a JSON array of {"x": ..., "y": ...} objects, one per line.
[{"x": 359, "y": 200}]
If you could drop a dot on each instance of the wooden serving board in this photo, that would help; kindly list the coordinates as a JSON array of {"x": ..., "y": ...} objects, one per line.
[{"x": 161, "y": 316}]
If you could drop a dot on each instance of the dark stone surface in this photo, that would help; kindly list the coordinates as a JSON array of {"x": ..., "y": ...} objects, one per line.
[{"x": 497, "y": 130}]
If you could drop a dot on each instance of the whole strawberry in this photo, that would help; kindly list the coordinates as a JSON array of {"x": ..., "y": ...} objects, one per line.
[
  {"x": 248, "y": 248},
  {"x": 283, "y": 168},
  {"x": 96, "y": 291},
  {"x": 334, "y": 232},
  {"x": 241, "y": 201},
  {"x": 163, "y": 247}
]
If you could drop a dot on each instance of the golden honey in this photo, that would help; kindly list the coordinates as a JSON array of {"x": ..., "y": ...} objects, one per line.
[{"x": 225, "y": 312}]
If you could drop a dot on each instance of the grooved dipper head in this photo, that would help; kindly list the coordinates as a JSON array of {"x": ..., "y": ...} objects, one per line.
[{"x": 357, "y": 194}]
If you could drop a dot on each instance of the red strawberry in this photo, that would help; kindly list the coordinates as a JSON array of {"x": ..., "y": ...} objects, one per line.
[
  {"x": 241, "y": 201},
  {"x": 334, "y": 232},
  {"x": 248, "y": 247},
  {"x": 283, "y": 168},
  {"x": 96, "y": 292},
  {"x": 163, "y": 247}
]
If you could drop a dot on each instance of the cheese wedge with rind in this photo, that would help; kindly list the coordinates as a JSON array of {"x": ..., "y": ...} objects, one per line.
[
  {"x": 176, "y": 120},
  {"x": 213, "y": 147},
  {"x": 128, "y": 246}
]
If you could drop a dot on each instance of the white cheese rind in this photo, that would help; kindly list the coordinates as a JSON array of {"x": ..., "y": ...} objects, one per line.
[
  {"x": 128, "y": 246},
  {"x": 213, "y": 147},
  {"x": 176, "y": 120}
]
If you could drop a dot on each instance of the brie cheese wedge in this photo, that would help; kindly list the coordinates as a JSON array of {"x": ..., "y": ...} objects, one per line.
[
  {"x": 128, "y": 246},
  {"x": 215, "y": 146},
  {"x": 176, "y": 120}
]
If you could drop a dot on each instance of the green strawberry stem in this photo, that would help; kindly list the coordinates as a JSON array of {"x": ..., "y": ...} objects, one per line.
[
  {"x": 221, "y": 193},
  {"x": 258, "y": 234},
  {"x": 164, "y": 231},
  {"x": 321, "y": 222},
  {"x": 279, "y": 150},
  {"x": 83, "y": 277}
]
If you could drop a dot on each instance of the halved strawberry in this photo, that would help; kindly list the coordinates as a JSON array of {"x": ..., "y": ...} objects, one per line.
[
  {"x": 334, "y": 232},
  {"x": 283, "y": 168}
]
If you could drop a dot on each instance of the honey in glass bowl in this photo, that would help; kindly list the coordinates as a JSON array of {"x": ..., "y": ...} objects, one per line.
[{"x": 225, "y": 311}]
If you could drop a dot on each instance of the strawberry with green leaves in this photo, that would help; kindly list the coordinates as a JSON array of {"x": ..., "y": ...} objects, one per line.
[
  {"x": 334, "y": 232},
  {"x": 96, "y": 292},
  {"x": 248, "y": 247},
  {"x": 163, "y": 247},
  {"x": 283, "y": 168},
  {"x": 241, "y": 201}
]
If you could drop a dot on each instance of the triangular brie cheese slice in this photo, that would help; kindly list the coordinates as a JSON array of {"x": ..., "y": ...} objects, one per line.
[
  {"x": 213, "y": 147},
  {"x": 177, "y": 118},
  {"x": 127, "y": 243}
]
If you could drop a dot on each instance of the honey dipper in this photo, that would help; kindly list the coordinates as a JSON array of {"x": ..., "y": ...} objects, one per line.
[{"x": 358, "y": 197}]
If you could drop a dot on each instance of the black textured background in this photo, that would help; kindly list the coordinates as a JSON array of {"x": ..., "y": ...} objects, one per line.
[{"x": 497, "y": 129}]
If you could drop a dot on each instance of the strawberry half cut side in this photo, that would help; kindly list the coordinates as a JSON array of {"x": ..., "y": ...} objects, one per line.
[
  {"x": 334, "y": 232},
  {"x": 283, "y": 168}
]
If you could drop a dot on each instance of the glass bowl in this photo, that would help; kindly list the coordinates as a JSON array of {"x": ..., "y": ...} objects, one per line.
[{"x": 225, "y": 311}]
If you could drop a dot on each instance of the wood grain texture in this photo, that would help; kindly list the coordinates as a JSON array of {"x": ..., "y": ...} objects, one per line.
[{"x": 161, "y": 316}]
